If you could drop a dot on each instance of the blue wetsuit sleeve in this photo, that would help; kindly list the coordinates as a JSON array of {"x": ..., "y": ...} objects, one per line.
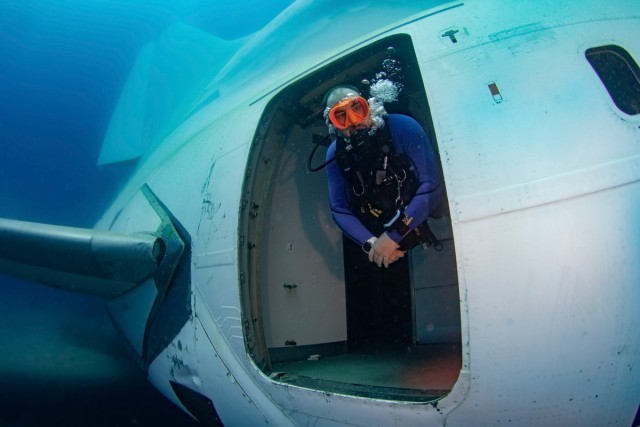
[
  {"x": 409, "y": 138},
  {"x": 339, "y": 202}
]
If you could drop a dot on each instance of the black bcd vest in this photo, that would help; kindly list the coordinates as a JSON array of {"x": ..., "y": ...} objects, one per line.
[{"x": 382, "y": 181}]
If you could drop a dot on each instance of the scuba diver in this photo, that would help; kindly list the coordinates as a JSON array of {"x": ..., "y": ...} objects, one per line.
[{"x": 384, "y": 183}]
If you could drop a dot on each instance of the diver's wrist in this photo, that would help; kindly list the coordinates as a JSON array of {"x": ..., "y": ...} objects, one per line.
[{"x": 368, "y": 244}]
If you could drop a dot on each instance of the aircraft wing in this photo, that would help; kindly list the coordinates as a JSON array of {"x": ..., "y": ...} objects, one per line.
[{"x": 167, "y": 77}]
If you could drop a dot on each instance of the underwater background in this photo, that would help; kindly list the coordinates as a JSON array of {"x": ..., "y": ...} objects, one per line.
[{"x": 63, "y": 64}]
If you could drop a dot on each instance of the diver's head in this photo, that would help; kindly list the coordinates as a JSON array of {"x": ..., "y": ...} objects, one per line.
[{"x": 346, "y": 111}]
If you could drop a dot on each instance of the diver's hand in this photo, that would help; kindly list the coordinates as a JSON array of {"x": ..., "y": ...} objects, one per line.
[
  {"x": 385, "y": 251},
  {"x": 395, "y": 255}
]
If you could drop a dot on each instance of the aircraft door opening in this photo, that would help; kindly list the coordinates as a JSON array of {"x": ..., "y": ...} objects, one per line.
[{"x": 315, "y": 321}]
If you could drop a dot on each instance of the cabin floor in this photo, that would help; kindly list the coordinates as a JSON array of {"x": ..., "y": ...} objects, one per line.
[{"x": 419, "y": 373}]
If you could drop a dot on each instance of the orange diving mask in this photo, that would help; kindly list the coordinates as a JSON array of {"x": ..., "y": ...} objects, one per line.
[{"x": 350, "y": 111}]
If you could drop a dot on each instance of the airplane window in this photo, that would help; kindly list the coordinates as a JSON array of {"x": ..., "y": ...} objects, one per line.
[{"x": 619, "y": 74}]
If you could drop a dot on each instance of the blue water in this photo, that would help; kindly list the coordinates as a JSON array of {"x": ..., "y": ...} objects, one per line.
[{"x": 63, "y": 64}]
